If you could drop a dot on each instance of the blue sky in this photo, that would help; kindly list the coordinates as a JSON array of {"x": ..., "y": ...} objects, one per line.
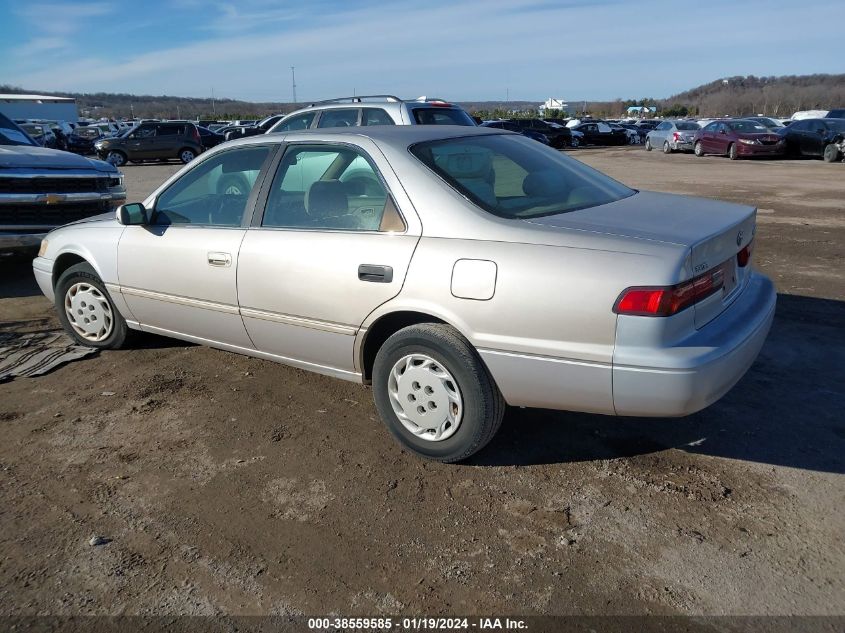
[{"x": 474, "y": 50}]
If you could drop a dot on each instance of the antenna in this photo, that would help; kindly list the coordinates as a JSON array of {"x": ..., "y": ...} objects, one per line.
[{"x": 293, "y": 82}]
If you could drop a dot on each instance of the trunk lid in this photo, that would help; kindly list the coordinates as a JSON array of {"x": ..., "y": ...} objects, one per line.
[{"x": 714, "y": 232}]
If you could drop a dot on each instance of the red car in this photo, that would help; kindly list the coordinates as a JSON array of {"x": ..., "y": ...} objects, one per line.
[{"x": 737, "y": 138}]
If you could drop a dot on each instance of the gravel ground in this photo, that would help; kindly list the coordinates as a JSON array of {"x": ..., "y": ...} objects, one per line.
[{"x": 224, "y": 484}]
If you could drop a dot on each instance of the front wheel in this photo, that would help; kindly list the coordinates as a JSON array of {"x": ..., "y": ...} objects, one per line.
[
  {"x": 697, "y": 149},
  {"x": 648, "y": 146},
  {"x": 434, "y": 393},
  {"x": 86, "y": 311},
  {"x": 831, "y": 153},
  {"x": 187, "y": 155},
  {"x": 733, "y": 154},
  {"x": 118, "y": 159}
]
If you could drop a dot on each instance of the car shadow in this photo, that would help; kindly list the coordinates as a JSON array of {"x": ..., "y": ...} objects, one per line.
[
  {"x": 786, "y": 411},
  {"x": 16, "y": 278}
]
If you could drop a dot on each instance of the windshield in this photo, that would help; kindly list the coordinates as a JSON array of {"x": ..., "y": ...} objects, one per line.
[
  {"x": 33, "y": 130},
  {"x": 442, "y": 116},
  {"x": 749, "y": 127},
  {"x": 515, "y": 177},
  {"x": 686, "y": 125},
  {"x": 87, "y": 132}
]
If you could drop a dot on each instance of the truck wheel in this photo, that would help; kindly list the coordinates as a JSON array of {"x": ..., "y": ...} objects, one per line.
[
  {"x": 831, "y": 153},
  {"x": 434, "y": 393},
  {"x": 86, "y": 310}
]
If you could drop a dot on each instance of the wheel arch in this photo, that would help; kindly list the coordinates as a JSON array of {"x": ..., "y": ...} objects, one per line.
[
  {"x": 382, "y": 328},
  {"x": 66, "y": 260}
]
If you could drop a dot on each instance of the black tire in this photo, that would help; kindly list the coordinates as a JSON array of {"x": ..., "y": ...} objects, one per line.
[
  {"x": 483, "y": 405},
  {"x": 234, "y": 184},
  {"x": 667, "y": 149},
  {"x": 831, "y": 153},
  {"x": 84, "y": 273},
  {"x": 186, "y": 155},
  {"x": 733, "y": 154},
  {"x": 698, "y": 150},
  {"x": 116, "y": 158},
  {"x": 648, "y": 146}
]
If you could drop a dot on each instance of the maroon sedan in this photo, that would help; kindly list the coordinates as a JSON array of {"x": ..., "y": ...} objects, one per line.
[{"x": 737, "y": 138}]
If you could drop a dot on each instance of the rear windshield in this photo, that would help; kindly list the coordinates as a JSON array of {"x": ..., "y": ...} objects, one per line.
[
  {"x": 87, "y": 132},
  {"x": 686, "y": 125},
  {"x": 515, "y": 177},
  {"x": 441, "y": 116}
]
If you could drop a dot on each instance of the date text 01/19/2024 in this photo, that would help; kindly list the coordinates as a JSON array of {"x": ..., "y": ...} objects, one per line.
[{"x": 416, "y": 624}]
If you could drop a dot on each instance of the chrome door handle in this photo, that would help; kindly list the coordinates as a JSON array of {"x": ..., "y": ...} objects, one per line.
[{"x": 219, "y": 259}]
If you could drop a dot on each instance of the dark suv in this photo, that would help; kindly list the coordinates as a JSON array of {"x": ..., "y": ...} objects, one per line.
[{"x": 153, "y": 140}]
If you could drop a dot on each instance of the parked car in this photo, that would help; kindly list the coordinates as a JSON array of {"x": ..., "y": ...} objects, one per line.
[
  {"x": 161, "y": 140},
  {"x": 737, "y": 138},
  {"x": 262, "y": 127},
  {"x": 42, "y": 188},
  {"x": 672, "y": 136},
  {"x": 600, "y": 133},
  {"x": 507, "y": 125},
  {"x": 559, "y": 136},
  {"x": 814, "y": 137},
  {"x": 647, "y": 124},
  {"x": 374, "y": 110},
  {"x": 209, "y": 139},
  {"x": 82, "y": 139},
  {"x": 631, "y": 132},
  {"x": 455, "y": 269},
  {"x": 41, "y": 134}
]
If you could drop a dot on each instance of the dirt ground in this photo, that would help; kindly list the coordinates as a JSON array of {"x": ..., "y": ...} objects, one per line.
[{"x": 231, "y": 485}]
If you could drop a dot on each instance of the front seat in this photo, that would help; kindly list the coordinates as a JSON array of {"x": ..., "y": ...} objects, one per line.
[{"x": 328, "y": 205}]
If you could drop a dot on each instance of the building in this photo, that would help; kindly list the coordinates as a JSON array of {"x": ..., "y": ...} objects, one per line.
[
  {"x": 39, "y": 107},
  {"x": 554, "y": 104},
  {"x": 642, "y": 111}
]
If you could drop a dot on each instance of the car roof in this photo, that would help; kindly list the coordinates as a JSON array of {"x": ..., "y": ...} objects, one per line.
[{"x": 394, "y": 135}]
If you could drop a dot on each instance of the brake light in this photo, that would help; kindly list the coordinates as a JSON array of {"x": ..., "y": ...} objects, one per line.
[
  {"x": 676, "y": 136},
  {"x": 662, "y": 301},
  {"x": 439, "y": 104},
  {"x": 743, "y": 257},
  {"x": 197, "y": 136}
]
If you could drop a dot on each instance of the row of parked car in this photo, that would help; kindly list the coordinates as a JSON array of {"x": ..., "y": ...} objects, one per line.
[{"x": 753, "y": 136}]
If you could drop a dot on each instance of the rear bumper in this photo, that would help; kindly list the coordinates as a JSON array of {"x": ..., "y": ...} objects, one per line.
[{"x": 691, "y": 375}]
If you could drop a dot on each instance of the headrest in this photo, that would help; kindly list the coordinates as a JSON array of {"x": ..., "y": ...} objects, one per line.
[
  {"x": 326, "y": 198},
  {"x": 542, "y": 184},
  {"x": 462, "y": 163}
]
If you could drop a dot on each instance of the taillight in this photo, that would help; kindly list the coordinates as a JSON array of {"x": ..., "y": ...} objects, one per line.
[
  {"x": 665, "y": 301},
  {"x": 744, "y": 256},
  {"x": 676, "y": 136},
  {"x": 197, "y": 137}
]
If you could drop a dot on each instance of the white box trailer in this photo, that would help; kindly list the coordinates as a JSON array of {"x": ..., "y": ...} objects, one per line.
[{"x": 39, "y": 107}]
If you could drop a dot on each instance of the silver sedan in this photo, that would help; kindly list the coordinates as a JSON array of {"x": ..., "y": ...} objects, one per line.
[
  {"x": 672, "y": 136},
  {"x": 456, "y": 270}
]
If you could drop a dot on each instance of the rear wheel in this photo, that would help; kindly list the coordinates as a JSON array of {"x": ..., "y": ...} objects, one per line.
[
  {"x": 697, "y": 149},
  {"x": 667, "y": 149},
  {"x": 434, "y": 393},
  {"x": 831, "y": 153},
  {"x": 86, "y": 311},
  {"x": 187, "y": 155},
  {"x": 733, "y": 154}
]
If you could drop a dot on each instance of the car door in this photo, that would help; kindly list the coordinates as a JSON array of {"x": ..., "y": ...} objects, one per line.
[
  {"x": 814, "y": 138},
  {"x": 332, "y": 243},
  {"x": 167, "y": 140},
  {"x": 658, "y": 134},
  {"x": 141, "y": 143},
  {"x": 178, "y": 273}
]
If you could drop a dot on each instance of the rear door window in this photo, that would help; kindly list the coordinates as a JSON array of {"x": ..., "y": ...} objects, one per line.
[
  {"x": 339, "y": 118},
  {"x": 376, "y": 116}
]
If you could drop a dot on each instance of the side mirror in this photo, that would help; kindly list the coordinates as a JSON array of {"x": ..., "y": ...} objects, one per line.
[{"x": 132, "y": 214}]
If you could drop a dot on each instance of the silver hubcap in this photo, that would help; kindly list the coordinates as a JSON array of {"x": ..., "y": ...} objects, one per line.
[
  {"x": 187, "y": 157},
  {"x": 115, "y": 158},
  {"x": 88, "y": 312},
  {"x": 425, "y": 397}
]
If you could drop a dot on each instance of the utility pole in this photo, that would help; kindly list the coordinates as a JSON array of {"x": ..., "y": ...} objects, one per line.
[
  {"x": 213, "y": 105},
  {"x": 293, "y": 82}
]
